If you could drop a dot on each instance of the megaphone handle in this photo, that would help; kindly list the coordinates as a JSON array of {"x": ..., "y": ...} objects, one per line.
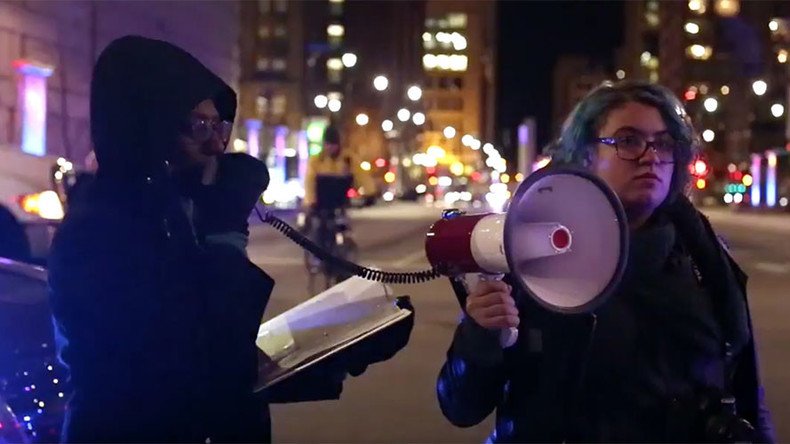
[{"x": 507, "y": 336}]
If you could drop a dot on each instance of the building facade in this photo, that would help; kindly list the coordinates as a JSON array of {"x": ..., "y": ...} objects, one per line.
[
  {"x": 459, "y": 60},
  {"x": 372, "y": 68},
  {"x": 58, "y": 42},
  {"x": 726, "y": 59}
]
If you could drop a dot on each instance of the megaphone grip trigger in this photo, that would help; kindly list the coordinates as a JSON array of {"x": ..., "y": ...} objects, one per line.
[{"x": 508, "y": 337}]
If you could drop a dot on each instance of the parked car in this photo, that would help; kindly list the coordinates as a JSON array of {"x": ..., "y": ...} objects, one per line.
[{"x": 32, "y": 381}]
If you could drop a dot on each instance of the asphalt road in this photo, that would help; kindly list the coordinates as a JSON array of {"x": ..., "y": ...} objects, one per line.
[{"x": 395, "y": 401}]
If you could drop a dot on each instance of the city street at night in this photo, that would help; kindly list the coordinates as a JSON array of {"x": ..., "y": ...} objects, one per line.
[
  {"x": 395, "y": 401},
  {"x": 137, "y": 139}
]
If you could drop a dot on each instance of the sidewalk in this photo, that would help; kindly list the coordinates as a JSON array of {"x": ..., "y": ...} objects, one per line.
[{"x": 760, "y": 221}]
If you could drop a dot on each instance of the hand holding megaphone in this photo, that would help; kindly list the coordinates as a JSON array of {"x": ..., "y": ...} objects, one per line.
[{"x": 491, "y": 305}]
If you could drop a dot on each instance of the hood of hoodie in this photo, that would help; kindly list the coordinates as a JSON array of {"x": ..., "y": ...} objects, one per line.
[{"x": 142, "y": 91}]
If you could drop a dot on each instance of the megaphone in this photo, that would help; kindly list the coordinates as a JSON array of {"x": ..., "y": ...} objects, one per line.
[{"x": 563, "y": 239}]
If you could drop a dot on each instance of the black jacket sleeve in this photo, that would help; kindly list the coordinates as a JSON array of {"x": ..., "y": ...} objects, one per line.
[{"x": 471, "y": 381}]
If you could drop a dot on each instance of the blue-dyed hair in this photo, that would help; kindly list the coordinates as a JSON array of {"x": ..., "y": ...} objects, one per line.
[{"x": 576, "y": 146}]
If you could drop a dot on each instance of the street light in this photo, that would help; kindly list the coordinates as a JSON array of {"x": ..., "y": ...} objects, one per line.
[
  {"x": 708, "y": 135},
  {"x": 777, "y": 109},
  {"x": 418, "y": 118},
  {"x": 387, "y": 125},
  {"x": 334, "y": 105},
  {"x": 449, "y": 132},
  {"x": 711, "y": 104},
  {"x": 349, "y": 60},
  {"x": 362, "y": 119},
  {"x": 476, "y": 144},
  {"x": 414, "y": 93},
  {"x": 380, "y": 83},
  {"x": 467, "y": 140},
  {"x": 320, "y": 101},
  {"x": 759, "y": 87},
  {"x": 403, "y": 115},
  {"x": 773, "y": 25}
]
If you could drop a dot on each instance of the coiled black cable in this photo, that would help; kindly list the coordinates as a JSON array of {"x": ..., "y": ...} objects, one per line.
[{"x": 385, "y": 277}]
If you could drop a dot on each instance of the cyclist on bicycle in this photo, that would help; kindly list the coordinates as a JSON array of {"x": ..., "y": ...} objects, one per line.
[
  {"x": 329, "y": 177},
  {"x": 334, "y": 161}
]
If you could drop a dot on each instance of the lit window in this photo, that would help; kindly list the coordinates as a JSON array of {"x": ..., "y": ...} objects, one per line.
[
  {"x": 698, "y": 6},
  {"x": 278, "y": 105},
  {"x": 334, "y": 76},
  {"x": 459, "y": 41},
  {"x": 781, "y": 57},
  {"x": 264, "y": 6},
  {"x": 458, "y": 62},
  {"x": 699, "y": 52},
  {"x": 652, "y": 19},
  {"x": 654, "y": 77},
  {"x": 456, "y": 20},
  {"x": 280, "y": 31},
  {"x": 334, "y": 64},
  {"x": 264, "y": 32},
  {"x": 335, "y": 30},
  {"x": 261, "y": 105},
  {"x": 645, "y": 58},
  {"x": 429, "y": 61},
  {"x": 727, "y": 8},
  {"x": 263, "y": 64},
  {"x": 652, "y": 5},
  {"x": 279, "y": 65}
]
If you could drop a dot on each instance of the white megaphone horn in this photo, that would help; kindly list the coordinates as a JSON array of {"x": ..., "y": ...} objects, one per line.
[{"x": 563, "y": 241}]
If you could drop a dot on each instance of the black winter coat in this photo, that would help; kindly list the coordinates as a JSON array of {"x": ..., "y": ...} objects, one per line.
[
  {"x": 156, "y": 327},
  {"x": 633, "y": 372}
]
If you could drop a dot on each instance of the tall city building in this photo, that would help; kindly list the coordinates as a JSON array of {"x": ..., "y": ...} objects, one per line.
[
  {"x": 726, "y": 59},
  {"x": 47, "y": 52},
  {"x": 308, "y": 64},
  {"x": 574, "y": 76},
  {"x": 375, "y": 69},
  {"x": 459, "y": 60}
]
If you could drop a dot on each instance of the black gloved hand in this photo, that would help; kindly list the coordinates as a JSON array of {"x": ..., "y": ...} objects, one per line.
[{"x": 225, "y": 205}]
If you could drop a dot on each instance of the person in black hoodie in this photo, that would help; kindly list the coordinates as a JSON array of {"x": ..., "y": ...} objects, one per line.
[
  {"x": 655, "y": 361},
  {"x": 156, "y": 306}
]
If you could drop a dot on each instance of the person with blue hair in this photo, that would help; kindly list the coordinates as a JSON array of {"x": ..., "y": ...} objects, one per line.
[{"x": 670, "y": 357}]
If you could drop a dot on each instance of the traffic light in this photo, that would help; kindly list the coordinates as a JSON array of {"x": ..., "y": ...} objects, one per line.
[
  {"x": 699, "y": 168},
  {"x": 380, "y": 162},
  {"x": 701, "y": 184}
]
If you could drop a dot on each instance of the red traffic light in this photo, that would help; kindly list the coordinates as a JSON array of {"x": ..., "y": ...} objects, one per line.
[{"x": 381, "y": 163}]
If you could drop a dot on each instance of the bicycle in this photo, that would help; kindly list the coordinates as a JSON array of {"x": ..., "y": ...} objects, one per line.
[{"x": 329, "y": 230}]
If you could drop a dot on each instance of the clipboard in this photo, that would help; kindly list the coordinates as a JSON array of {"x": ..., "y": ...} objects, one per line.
[{"x": 327, "y": 324}]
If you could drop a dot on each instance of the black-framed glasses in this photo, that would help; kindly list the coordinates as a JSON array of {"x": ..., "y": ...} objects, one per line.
[
  {"x": 201, "y": 130},
  {"x": 634, "y": 146}
]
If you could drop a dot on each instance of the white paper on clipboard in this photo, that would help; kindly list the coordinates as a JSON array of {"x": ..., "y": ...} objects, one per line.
[{"x": 324, "y": 325}]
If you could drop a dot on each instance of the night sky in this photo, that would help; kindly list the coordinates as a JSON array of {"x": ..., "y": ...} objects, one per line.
[{"x": 531, "y": 36}]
